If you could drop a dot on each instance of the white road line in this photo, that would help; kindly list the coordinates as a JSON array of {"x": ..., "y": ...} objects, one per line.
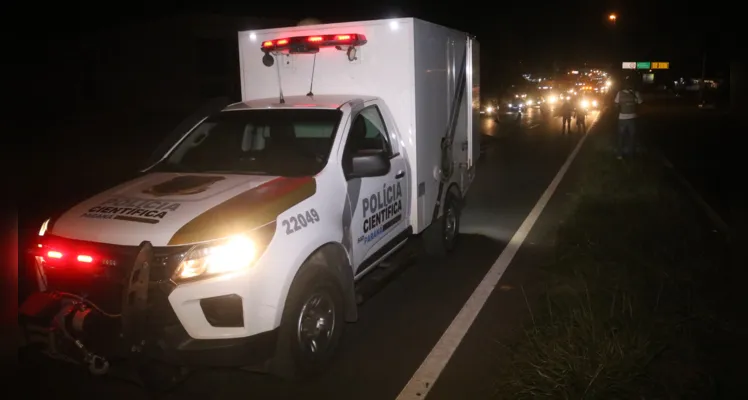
[
  {"x": 534, "y": 126},
  {"x": 425, "y": 377}
]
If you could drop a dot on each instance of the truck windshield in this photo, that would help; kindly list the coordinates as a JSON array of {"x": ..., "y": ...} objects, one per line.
[{"x": 280, "y": 142}]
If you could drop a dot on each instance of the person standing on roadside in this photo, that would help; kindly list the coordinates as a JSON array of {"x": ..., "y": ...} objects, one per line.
[
  {"x": 567, "y": 109},
  {"x": 628, "y": 101},
  {"x": 580, "y": 113}
]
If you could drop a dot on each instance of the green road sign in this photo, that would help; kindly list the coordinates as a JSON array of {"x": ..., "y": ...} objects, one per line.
[{"x": 643, "y": 65}]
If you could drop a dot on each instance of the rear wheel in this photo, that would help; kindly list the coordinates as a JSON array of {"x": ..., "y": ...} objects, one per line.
[
  {"x": 311, "y": 327},
  {"x": 441, "y": 237}
]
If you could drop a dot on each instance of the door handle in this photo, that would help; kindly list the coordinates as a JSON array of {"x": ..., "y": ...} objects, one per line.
[{"x": 399, "y": 174}]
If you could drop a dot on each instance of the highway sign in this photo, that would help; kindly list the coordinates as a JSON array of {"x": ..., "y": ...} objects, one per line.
[
  {"x": 643, "y": 65},
  {"x": 629, "y": 65},
  {"x": 660, "y": 65}
]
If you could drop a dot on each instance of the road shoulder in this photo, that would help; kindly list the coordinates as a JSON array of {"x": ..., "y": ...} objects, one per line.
[
  {"x": 486, "y": 349},
  {"x": 621, "y": 289}
]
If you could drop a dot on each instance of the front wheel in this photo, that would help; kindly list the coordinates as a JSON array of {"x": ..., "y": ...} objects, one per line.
[{"x": 311, "y": 327}]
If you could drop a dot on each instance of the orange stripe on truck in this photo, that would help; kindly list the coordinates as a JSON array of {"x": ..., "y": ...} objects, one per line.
[{"x": 246, "y": 211}]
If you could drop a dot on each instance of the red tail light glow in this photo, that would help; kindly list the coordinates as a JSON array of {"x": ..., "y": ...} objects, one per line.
[
  {"x": 281, "y": 42},
  {"x": 54, "y": 254},
  {"x": 269, "y": 43},
  {"x": 85, "y": 259},
  {"x": 343, "y": 37},
  {"x": 315, "y": 38}
]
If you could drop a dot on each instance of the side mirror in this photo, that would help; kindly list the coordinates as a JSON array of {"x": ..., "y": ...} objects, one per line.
[{"x": 369, "y": 164}]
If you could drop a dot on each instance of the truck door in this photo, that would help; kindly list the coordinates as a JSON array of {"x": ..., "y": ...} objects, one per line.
[{"x": 379, "y": 206}]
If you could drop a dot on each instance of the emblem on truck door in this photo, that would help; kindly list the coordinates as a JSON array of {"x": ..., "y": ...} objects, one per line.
[
  {"x": 381, "y": 210},
  {"x": 183, "y": 185}
]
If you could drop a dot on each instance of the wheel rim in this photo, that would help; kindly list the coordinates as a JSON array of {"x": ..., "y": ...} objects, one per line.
[
  {"x": 450, "y": 230},
  {"x": 316, "y": 324}
]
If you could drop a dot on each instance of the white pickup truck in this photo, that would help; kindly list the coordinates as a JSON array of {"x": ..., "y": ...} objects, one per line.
[{"x": 245, "y": 240}]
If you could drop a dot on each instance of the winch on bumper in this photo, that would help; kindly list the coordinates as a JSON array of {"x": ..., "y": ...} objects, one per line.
[{"x": 113, "y": 307}]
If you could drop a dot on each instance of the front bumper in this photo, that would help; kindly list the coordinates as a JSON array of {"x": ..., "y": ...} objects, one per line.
[
  {"x": 175, "y": 346},
  {"x": 162, "y": 335}
]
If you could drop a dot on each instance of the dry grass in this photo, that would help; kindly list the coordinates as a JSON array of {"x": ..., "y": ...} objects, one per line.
[{"x": 625, "y": 307}]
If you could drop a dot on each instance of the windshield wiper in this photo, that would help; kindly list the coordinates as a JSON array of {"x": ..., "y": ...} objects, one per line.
[
  {"x": 173, "y": 167},
  {"x": 234, "y": 172}
]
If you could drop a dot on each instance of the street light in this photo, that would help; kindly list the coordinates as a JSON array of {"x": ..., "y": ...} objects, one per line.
[{"x": 616, "y": 36}]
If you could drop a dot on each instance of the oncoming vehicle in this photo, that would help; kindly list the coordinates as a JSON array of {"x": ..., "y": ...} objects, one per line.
[
  {"x": 553, "y": 99},
  {"x": 588, "y": 102},
  {"x": 491, "y": 109},
  {"x": 534, "y": 101},
  {"x": 511, "y": 109},
  {"x": 245, "y": 242}
]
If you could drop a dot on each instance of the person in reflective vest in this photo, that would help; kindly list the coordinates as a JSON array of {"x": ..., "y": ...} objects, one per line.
[{"x": 628, "y": 101}]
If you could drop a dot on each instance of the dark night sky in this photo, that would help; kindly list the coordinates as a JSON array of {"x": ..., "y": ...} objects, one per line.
[{"x": 540, "y": 31}]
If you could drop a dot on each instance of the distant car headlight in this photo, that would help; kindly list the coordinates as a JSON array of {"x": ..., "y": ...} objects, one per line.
[
  {"x": 235, "y": 254},
  {"x": 584, "y": 103},
  {"x": 529, "y": 102},
  {"x": 552, "y": 99},
  {"x": 489, "y": 110},
  {"x": 594, "y": 103}
]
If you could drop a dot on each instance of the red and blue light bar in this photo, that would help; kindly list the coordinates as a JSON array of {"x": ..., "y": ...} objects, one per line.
[{"x": 313, "y": 42}]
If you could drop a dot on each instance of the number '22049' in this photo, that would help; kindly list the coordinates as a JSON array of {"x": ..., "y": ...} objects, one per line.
[{"x": 300, "y": 221}]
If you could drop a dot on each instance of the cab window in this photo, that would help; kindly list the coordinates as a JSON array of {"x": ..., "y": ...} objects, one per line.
[
  {"x": 368, "y": 133},
  {"x": 282, "y": 142}
]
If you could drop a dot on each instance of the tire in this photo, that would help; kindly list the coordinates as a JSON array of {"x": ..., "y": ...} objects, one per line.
[
  {"x": 315, "y": 299},
  {"x": 437, "y": 239}
]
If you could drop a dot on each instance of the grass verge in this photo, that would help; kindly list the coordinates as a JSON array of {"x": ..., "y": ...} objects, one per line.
[{"x": 629, "y": 307}]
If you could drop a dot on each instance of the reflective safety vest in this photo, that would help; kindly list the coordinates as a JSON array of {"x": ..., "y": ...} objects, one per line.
[{"x": 627, "y": 101}]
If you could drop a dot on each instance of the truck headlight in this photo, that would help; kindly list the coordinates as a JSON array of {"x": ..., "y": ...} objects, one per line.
[{"x": 234, "y": 254}]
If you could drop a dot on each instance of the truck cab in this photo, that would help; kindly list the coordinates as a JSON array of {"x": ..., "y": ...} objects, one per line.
[{"x": 253, "y": 227}]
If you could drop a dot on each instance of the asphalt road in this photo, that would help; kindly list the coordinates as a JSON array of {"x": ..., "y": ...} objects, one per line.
[{"x": 400, "y": 324}]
